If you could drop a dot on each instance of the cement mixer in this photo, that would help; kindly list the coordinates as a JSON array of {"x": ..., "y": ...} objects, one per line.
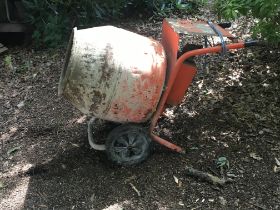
[{"x": 120, "y": 76}]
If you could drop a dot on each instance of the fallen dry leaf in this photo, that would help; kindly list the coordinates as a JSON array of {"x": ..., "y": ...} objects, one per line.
[
  {"x": 277, "y": 162},
  {"x": 276, "y": 169},
  {"x": 255, "y": 156},
  {"x": 13, "y": 150},
  {"x": 21, "y": 104},
  {"x": 181, "y": 203},
  {"x": 177, "y": 181},
  {"x": 1, "y": 185},
  {"x": 222, "y": 200}
]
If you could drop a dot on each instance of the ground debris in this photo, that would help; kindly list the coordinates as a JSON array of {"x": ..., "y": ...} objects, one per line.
[
  {"x": 21, "y": 104},
  {"x": 277, "y": 162},
  {"x": 3, "y": 48},
  {"x": 276, "y": 168},
  {"x": 135, "y": 189},
  {"x": 1, "y": 185},
  {"x": 13, "y": 150},
  {"x": 259, "y": 206},
  {"x": 222, "y": 200},
  {"x": 177, "y": 181},
  {"x": 203, "y": 176},
  {"x": 255, "y": 156}
]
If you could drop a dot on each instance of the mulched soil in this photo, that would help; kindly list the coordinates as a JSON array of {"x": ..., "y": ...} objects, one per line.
[{"x": 231, "y": 110}]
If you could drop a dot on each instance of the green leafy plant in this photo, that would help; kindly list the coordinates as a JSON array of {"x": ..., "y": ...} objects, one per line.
[
  {"x": 8, "y": 63},
  {"x": 51, "y": 25},
  {"x": 54, "y": 19},
  {"x": 166, "y": 7},
  {"x": 222, "y": 162},
  {"x": 267, "y": 13}
]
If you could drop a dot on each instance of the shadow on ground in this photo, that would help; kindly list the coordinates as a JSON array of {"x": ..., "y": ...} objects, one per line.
[{"x": 64, "y": 173}]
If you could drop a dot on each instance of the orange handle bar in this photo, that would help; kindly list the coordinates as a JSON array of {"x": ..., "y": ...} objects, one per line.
[
  {"x": 178, "y": 64},
  {"x": 171, "y": 80}
]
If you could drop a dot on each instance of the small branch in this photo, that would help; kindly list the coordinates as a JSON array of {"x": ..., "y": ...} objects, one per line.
[
  {"x": 135, "y": 189},
  {"x": 207, "y": 177},
  {"x": 214, "y": 172},
  {"x": 259, "y": 206}
]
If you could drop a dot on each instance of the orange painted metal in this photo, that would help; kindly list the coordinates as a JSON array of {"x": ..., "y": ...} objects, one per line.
[
  {"x": 167, "y": 144},
  {"x": 170, "y": 82},
  {"x": 139, "y": 89},
  {"x": 183, "y": 80},
  {"x": 170, "y": 42}
]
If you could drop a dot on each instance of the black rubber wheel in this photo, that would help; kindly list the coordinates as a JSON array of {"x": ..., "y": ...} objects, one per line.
[{"x": 128, "y": 145}]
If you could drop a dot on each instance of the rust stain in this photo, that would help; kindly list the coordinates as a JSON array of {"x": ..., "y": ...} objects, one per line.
[
  {"x": 140, "y": 94},
  {"x": 158, "y": 48},
  {"x": 76, "y": 93},
  {"x": 73, "y": 93},
  {"x": 107, "y": 68},
  {"x": 97, "y": 98},
  {"x": 148, "y": 88}
]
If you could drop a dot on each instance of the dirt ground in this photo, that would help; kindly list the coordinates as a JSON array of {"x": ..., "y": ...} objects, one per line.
[{"x": 231, "y": 110}]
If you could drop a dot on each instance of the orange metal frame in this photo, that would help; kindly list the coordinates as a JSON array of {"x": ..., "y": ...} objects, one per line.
[{"x": 175, "y": 66}]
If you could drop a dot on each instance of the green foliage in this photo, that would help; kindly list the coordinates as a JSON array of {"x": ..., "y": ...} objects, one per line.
[
  {"x": 50, "y": 25},
  {"x": 222, "y": 162},
  {"x": 266, "y": 11},
  {"x": 8, "y": 62},
  {"x": 163, "y": 8},
  {"x": 54, "y": 19}
]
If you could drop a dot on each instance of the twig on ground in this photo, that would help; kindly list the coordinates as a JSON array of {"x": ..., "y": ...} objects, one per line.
[
  {"x": 214, "y": 172},
  {"x": 135, "y": 189},
  {"x": 2, "y": 149},
  {"x": 203, "y": 176},
  {"x": 259, "y": 206}
]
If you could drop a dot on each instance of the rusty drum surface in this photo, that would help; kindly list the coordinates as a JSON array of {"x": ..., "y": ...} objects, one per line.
[{"x": 113, "y": 74}]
